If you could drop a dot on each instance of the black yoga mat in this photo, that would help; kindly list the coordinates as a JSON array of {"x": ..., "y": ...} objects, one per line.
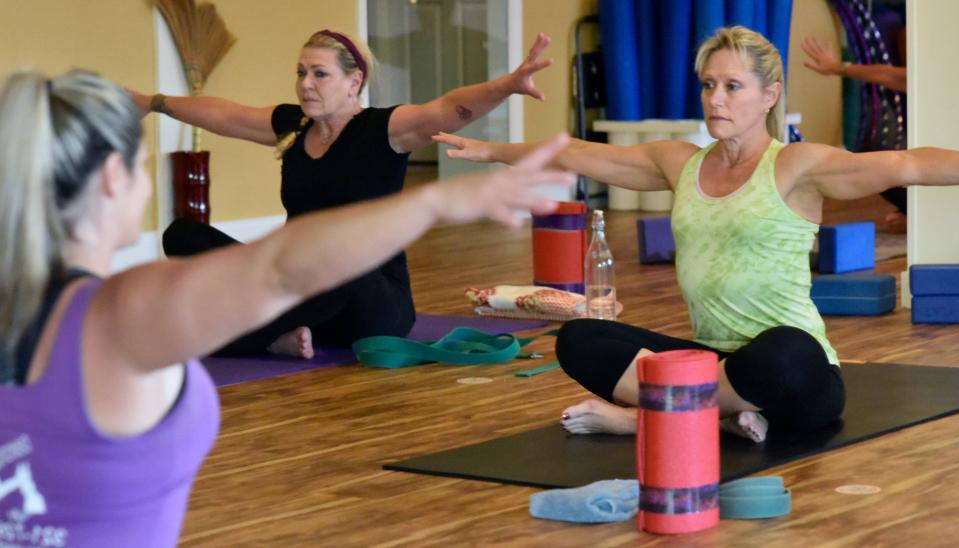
[{"x": 880, "y": 398}]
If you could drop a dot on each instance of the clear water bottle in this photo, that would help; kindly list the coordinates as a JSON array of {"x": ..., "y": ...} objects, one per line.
[{"x": 599, "y": 275}]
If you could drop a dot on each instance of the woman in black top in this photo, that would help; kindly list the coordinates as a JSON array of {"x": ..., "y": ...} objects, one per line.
[{"x": 336, "y": 152}]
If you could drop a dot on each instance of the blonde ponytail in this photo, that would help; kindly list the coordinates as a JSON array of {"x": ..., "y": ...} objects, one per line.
[
  {"x": 30, "y": 236},
  {"x": 53, "y": 135}
]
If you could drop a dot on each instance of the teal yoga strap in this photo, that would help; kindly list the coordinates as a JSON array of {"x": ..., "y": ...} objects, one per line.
[{"x": 461, "y": 346}]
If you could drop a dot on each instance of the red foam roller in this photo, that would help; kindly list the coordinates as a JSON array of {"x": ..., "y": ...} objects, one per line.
[
  {"x": 559, "y": 247},
  {"x": 677, "y": 441},
  {"x": 558, "y": 256}
]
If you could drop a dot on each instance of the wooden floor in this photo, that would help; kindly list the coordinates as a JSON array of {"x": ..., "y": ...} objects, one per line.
[{"x": 298, "y": 462}]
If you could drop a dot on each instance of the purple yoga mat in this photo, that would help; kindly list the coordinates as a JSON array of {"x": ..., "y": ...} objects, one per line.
[{"x": 428, "y": 327}]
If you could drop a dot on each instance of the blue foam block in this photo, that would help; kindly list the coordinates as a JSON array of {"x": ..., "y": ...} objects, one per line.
[
  {"x": 934, "y": 279},
  {"x": 656, "y": 244},
  {"x": 935, "y": 309},
  {"x": 847, "y": 247},
  {"x": 857, "y": 294}
]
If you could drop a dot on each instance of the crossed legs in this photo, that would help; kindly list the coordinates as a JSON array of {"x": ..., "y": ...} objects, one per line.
[
  {"x": 377, "y": 303},
  {"x": 783, "y": 373}
]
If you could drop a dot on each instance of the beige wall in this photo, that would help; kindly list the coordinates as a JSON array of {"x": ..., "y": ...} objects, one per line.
[
  {"x": 117, "y": 39},
  {"x": 818, "y": 98},
  {"x": 56, "y": 35},
  {"x": 557, "y": 19}
]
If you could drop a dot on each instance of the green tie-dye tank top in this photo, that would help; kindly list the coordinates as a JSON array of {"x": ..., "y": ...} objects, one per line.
[{"x": 742, "y": 260}]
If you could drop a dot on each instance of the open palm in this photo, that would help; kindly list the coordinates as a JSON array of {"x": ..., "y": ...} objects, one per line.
[{"x": 523, "y": 75}]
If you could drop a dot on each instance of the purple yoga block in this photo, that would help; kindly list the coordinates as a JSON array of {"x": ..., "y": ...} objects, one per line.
[
  {"x": 656, "y": 244},
  {"x": 847, "y": 247}
]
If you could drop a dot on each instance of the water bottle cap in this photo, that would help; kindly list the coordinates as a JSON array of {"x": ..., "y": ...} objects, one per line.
[{"x": 598, "y": 219}]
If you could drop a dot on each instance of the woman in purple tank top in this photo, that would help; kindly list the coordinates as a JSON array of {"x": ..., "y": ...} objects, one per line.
[{"x": 104, "y": 416}]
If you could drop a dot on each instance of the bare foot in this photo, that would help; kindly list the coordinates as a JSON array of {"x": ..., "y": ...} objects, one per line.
[
  {"x": 748, "y": 424},
  {"x": 297, "y": 343},
  {"x": 593, "y": 416},
  {"x": 895, "y": 223}
]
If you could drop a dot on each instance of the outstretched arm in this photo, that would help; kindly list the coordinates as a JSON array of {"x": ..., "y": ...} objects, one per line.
[
  {"x": 823, "y": 60},
  {"x": 214, "y": 114},
  {"x": 647, "y": 166},
  {"x": 844, "y": 175},
  {"x": 162, "y": 313},
  {"x": 411, "y": 126}
]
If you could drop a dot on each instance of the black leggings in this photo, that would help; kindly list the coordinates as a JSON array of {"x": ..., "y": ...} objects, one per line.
[
  {"x": 784, "y": 371},
  {"x": 897, "y": 197},
  {"x": 377, "y": 303}
]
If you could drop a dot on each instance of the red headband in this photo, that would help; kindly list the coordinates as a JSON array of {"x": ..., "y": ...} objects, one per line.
[{"x": 348, "y": 44}]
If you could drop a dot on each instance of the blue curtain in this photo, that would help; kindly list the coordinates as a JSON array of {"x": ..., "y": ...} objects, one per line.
[
  {"x": 621, "y": 57},
  {"x": 649, "y": 47},
  {"x": 648, "y": 62}
]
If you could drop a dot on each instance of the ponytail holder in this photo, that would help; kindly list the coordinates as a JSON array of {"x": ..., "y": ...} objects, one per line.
[{"x": 348, "y": 44}]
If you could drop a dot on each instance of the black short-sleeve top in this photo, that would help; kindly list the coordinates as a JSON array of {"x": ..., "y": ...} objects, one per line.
[{"x": 359, "y": 165}]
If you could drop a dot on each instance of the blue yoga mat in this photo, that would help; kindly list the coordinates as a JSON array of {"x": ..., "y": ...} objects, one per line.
[{"x": 428, "y": 327}]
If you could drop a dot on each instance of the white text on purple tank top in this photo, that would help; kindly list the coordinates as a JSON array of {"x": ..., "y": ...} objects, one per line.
[{"x": 14, "y": 529}]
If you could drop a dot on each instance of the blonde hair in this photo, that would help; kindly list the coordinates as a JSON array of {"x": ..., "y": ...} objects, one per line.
[
  {"x": 346, "y": 61},
  {"x": 767, "y": 65},
  {"x": 54, "y": 133},
  {"x": 344, "y": 58}
]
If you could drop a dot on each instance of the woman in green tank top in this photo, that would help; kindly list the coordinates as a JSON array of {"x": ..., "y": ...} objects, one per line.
[{"x": 746, "y": 213}]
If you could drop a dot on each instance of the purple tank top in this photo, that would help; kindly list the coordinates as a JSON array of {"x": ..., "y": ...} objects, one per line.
[{"x": 63, "y": 483}]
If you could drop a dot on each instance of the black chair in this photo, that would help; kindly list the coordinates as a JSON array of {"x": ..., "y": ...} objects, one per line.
[{"x": 589, "y": 93}]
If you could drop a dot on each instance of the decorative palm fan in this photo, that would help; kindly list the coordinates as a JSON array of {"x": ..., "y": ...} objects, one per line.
[{"x": 201, "y": 39}]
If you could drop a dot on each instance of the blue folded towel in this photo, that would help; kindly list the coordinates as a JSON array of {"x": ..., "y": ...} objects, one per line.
[{"x": 599, "y": 502}]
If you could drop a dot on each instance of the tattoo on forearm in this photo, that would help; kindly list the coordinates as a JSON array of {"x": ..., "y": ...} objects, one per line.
[
  {"x": 463, "y": 112},
  {"x": 158, "y": 104}
]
